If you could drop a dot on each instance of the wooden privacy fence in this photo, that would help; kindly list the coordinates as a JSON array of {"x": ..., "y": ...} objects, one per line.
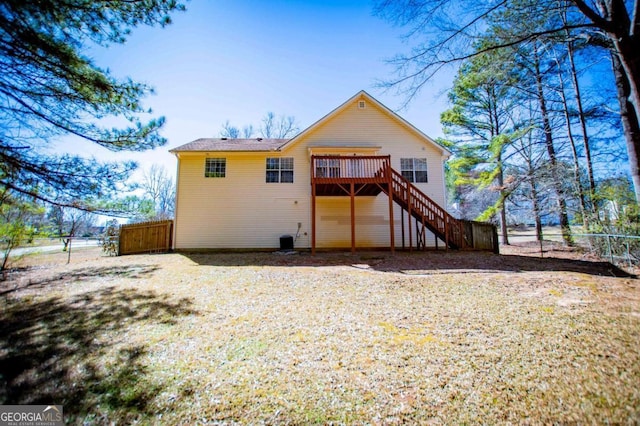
[
  {"x": 145, "y": 237},
  {"x": 481, "y": 236}
]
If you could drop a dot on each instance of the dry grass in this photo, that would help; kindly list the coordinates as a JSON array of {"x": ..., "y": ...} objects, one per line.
[{"x": 372, "y": 338}]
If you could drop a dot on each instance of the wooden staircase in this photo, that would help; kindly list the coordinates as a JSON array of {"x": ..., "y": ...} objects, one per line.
[
  {"x": 334, "y": 175},
  {"x": 426, "y": 211}
]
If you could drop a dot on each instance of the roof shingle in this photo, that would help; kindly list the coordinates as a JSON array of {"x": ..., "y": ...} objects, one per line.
[{"x": 229, "y": 144}]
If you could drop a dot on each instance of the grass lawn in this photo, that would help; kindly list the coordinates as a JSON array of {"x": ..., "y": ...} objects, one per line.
[{"x": 370, "y": 338}]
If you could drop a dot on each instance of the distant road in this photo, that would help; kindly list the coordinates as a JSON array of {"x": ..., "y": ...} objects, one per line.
[{"x": 51, "y": 248}]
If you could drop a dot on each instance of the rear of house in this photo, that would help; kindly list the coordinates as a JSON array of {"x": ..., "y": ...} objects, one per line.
[{"x": 247, "y": 193}]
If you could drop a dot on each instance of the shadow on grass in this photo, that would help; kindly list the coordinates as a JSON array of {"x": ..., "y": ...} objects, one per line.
[
  {"x": 134, "y": 271},
  {"x": 428, "y": 262},
  {"x": 76, "y": 352}
]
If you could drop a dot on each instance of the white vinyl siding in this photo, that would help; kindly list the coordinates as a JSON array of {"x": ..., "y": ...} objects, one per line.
[
  {"x": 244, "y": 211},
  {"x": 241, "y": 211},
  {"x": 369, "y": 127}
]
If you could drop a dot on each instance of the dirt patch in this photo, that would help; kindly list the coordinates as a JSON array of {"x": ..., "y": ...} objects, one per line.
[{"x": 435, "y": 337}]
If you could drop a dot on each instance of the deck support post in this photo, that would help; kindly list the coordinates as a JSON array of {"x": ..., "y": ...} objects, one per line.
[
  {"x": 392, "y": 239},
  {"x": 313, "y": 209},
  {"x": 446, "y": 233},
  {"x": 335, "y": 175},
  {"x": 402, "y": 226},
  {"x": 352, "y": 195},
  {"x": 409, "y": 216}
]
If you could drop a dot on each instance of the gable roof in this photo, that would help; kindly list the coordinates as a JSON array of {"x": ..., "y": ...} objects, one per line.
[
  {"x": 266, "y": 145},
  {"x": 230, "y": 144},
  {"x": 362, "y": 95}
]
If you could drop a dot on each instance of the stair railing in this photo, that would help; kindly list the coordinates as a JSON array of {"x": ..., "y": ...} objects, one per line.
[{"x": 449, "y": 228}]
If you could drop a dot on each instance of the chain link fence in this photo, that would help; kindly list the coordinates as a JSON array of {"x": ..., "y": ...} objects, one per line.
[{"x": 618, "y": 249}]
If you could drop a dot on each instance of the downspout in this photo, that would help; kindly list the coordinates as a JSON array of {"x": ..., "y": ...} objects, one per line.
[
  {"x": 444, "y": 182},
  {"x": 444, "y": 203},
  {"x": 175, "y": 209},
  {"x": 313, "y": 207}
]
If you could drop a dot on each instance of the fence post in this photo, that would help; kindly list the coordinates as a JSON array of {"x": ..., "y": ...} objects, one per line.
[
  {"x": 609, "y": 246},
  {"x": 621, "y": 243},
  {"x": 541, "y": 248}
]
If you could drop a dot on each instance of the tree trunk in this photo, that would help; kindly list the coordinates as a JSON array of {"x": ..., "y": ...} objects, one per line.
[
  {"x": 5, "y": 260},
  {"x": 503, "y": 199},
  {"x": 536, "y": 208},
  {"x": 581, "y": 115},
  {"x": 583, "y": 122},
  {"x": 630, "y": 124},
  {"x": 495, "y": 124},
  {"x": 576, "y": 159},
  {"x": 548, "y": 135},
  {"x": 628, "y": 49},
  {"x": 535, "y": 201},
  {"x": 628, "y": 52},
  {"x": 622, "y": 30}
]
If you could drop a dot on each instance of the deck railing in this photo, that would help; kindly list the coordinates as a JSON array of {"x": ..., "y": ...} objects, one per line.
[
  {"x": 362, "y": 169},
  {"x": 420, "y": 205},
  {"x": 327, "y": 169}
]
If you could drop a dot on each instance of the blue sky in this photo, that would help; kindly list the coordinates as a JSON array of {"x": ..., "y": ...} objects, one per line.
[{"x": 238, "y": 59}]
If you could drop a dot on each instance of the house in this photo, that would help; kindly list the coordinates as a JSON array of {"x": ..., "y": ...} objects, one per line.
[{"x": 360, "y": 177}]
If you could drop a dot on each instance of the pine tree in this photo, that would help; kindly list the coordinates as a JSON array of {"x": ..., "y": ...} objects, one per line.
[
  {"x": 479, "y": 120},
  {"x": 49, "y": 89},
  {"x": 442, "y": 32}
]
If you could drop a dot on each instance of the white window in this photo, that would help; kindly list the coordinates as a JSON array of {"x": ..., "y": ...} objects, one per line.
[
  {"x": 215, "y": 168},
  {"x": 414, "y": 169},
  {"x": 280, "y": 170}
]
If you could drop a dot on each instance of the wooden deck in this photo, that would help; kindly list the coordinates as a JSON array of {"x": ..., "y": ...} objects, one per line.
[
  {"x": 361, "y": 175},
  {"x": 331, "y": 174},
  {"x": 352, "y": 176}
]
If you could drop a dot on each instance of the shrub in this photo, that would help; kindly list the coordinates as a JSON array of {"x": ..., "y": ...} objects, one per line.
[{"x": 110, "y": 238}]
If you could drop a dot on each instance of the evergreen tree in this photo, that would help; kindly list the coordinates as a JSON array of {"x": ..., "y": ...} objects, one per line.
[
  {"x": 442, "y": 32},
  {"x": 480, "y": 121},
  {"x": 50, "y": 89}
]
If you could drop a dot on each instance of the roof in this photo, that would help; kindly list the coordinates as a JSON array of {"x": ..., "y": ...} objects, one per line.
[
  {"x": 265, "y": 145},
  {"x": 365, "y": 96},
  {"x": 230, "y": 144}
]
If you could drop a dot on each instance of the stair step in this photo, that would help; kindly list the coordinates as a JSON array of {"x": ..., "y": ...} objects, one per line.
[{"x": 427, "y": 211}]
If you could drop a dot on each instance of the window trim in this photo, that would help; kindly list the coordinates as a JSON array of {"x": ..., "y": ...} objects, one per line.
[
  {"x": 215, "y": 167},
  {"x": 413, "y": 170},
  {"x": 279, "y": 169}
]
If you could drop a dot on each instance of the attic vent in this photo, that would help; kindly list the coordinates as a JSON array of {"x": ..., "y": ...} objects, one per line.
[{"x": 361, "y": 104}]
